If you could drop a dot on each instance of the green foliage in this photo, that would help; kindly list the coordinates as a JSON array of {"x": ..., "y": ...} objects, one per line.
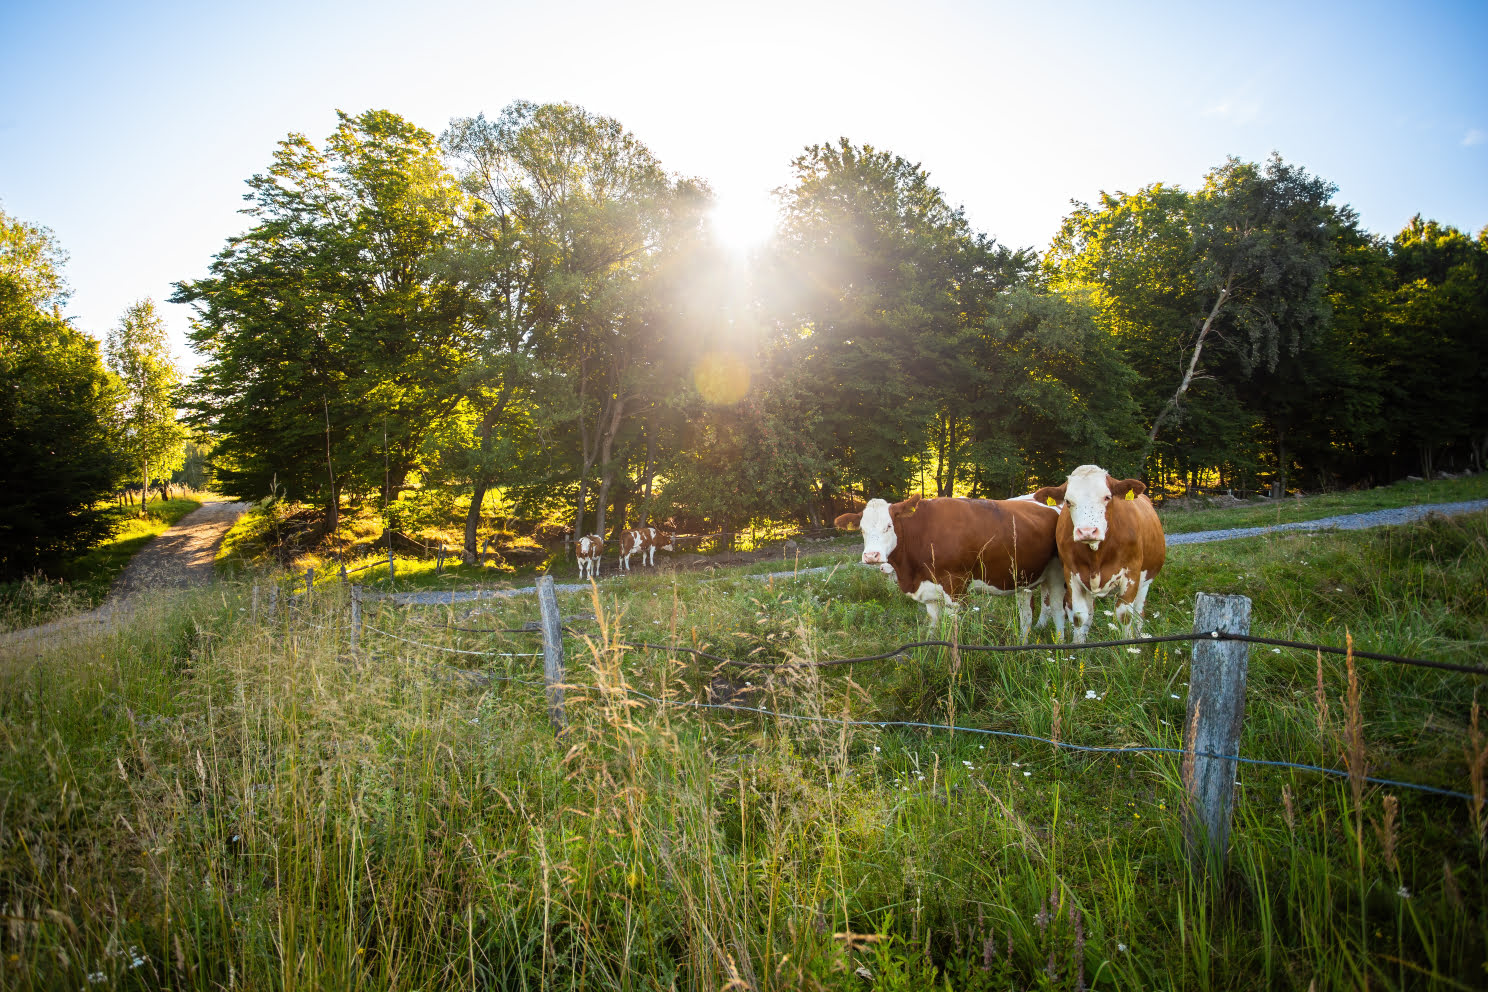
[
  {"x": 57, "y": 411},
  {"x": 323, "y": 325},
  {"x": 150, "y": 436}
]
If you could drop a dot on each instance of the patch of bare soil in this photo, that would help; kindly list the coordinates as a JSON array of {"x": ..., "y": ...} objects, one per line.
[{"x": 180, "y": 558}]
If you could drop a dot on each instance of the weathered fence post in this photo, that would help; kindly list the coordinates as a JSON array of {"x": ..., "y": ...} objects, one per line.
[
  {"x": 253, "y": 616},
  {"x": 1216, "y": 711},
  {"x": 343, "y": 573},
  {"x": 552, "y": 624},
  {"x": 439, "y": 559},
  {"x": 391, "y": 574},
  {"x": 274, "y": 601},
  {"x": 309, "y": 583},
  {"x": 356, "y": 614}
]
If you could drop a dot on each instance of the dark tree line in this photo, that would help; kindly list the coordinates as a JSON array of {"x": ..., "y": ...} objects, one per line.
[{"x": 530, "y": 309}]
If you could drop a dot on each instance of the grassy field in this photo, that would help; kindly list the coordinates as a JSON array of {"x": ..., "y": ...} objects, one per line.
[
  {"x": 1264, "y": 512},
  {"x": 198, "y": 802},
  {"x": 85, "y": 581}
]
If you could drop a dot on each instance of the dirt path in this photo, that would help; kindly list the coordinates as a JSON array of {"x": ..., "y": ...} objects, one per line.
[{"x": 180, "y": 558}]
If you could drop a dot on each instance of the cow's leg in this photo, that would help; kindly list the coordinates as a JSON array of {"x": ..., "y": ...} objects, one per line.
[
  {"x": 1081, "y": 607},
  {"x": 1025, "y": 611},
  {"x": 934, "y": 598},
  {"x": 1133, "y": 600},
  {"x": 583, "y": 568}
]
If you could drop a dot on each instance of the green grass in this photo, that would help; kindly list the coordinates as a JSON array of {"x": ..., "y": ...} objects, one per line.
[
  {"x": 196, "y": 801},
  {"x": 1264, "y": 512},
  {"x": 86, "y": 580}
]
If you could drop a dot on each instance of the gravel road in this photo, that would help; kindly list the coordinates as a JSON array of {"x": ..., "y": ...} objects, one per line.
[
  {"x": 177, "y": 559},
  {"x": 1347, "y": 521}
]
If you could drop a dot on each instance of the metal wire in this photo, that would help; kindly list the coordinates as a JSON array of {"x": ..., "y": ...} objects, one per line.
[
  {"x": 1337, "y": 772},
  {"x": 1215, "y": 635}
]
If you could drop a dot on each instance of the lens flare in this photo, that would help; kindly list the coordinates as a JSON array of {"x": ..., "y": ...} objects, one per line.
[{"x": 721, "y": 378}]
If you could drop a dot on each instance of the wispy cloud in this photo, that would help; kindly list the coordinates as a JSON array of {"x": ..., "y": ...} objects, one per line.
[
  {"x": 1474, "y": 136},
  {"x": 1237, "y": 111}
]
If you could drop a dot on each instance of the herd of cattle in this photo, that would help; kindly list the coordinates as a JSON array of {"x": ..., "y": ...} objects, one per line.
[{"x": 1092, "y": 537}]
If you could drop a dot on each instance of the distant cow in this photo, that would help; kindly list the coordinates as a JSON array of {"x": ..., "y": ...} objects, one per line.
[
  {"x": 590, "y": 548},
  {"x": 1111, "y": 543},
  {"x": 643, "y": 541},
  {"x": 939, "y": 548}
]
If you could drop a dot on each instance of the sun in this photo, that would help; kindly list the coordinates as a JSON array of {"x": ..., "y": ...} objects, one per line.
[{"x": 743, "y": 222}]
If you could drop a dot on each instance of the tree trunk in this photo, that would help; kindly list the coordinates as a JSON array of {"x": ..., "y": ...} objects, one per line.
[
  {"x": 333, "y": 512},
  {"x": 1278, "y": 486},
  {"x": 1193, "y": 364},
  {"x": 940, "y": 459},
  {"x": 950, "y": 486},
  {"x": 606, "y": 447},
  {"x": 470, "y": 552},
  {"x": 650, "y": 467},
  {"x": 145, "y": 492}
]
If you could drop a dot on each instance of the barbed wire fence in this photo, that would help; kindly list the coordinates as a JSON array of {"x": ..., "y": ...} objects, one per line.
[{"x": 1210, "y": 756}]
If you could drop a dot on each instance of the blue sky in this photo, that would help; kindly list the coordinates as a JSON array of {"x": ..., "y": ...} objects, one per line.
[{"x": 130, "y": 132}]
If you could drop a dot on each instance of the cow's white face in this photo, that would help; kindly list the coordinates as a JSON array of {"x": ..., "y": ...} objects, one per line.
[
  {"x": 1085, "y": 500},
  {"x": 879, "y": 536},
  {"x": 668, "y": 538}
]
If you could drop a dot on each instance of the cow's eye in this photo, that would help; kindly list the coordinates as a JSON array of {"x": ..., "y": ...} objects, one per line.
[{"x": 1108, "y": 497}]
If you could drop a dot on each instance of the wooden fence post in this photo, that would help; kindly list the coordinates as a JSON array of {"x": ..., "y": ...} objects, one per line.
[
  {"x": 439, "y": 559},
  {"x": 391, "y": 567},
  {"x": 253, "y": 616},
  {"x": 309, "y": 583},
  {"x": 356, "y": 614},
  {"x": 552, "y": 623},
  {"x": 274, "y": 601},
  {"x": 343, "y": 573},
  {"x": 1216, "y": 711}
]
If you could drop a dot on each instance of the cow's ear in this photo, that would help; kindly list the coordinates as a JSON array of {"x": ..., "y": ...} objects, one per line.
[
  {"x": 1051, "y": 495},
  {"x": 1128, "y": 488},
  {"x": 848, "y": 521},
  {"x": 905, "y": 507}
]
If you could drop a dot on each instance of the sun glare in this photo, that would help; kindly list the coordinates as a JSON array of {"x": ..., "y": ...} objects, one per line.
[{"x": 742, "y": 223}]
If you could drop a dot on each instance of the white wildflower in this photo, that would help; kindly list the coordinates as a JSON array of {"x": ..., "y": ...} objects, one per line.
[
  {"x": 1134, "y": 650},
  {"x": 1403, "y": 892},
  {"x": 876, "y": 749},
  {"x": 1090, "y": 694},
  {"x": 1026, "y": 774},
  {"x": 1173, "y": 694},
  {"x": 1121, "y": 948}
]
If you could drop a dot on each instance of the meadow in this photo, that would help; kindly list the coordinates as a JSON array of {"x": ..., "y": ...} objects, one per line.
[{"x": 201, "y": 801}]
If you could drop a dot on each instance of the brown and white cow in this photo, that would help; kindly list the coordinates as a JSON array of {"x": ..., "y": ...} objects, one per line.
[
  {"x": 590, "y": 548},
  {"x": 644, "y": 541},
  {"x": 1111, "y": 543},
  {"x": 937, "y": 549}
]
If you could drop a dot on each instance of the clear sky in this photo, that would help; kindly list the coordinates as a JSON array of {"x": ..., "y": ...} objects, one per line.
[{"x": 129, "y": 129}]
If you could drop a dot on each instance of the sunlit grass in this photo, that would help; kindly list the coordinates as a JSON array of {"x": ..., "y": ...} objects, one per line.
[{"x": 199, "y": 802}]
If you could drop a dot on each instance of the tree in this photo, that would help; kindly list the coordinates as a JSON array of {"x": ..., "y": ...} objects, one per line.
[
  {"x": 332, "y": 345},
  {"x": 882, "y": 284},
  {"x": 561, "y": 222},
  {"x": 138, "y": 351},
  {"x": 1222, "y": 282},
  {"x": 57, "y": 405},
  {"x": 1437, "y": 342}
]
